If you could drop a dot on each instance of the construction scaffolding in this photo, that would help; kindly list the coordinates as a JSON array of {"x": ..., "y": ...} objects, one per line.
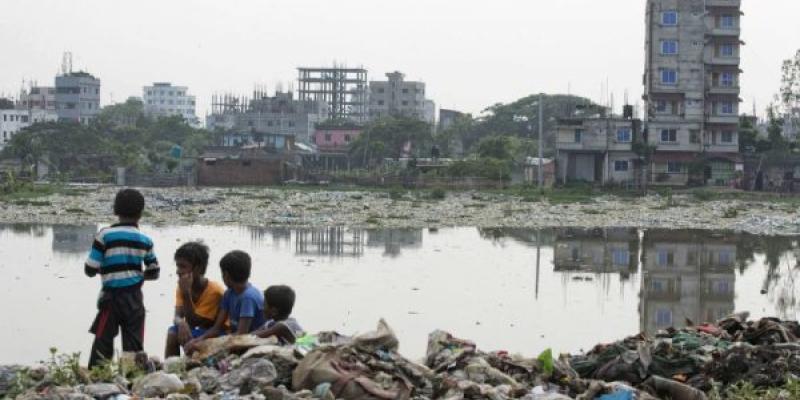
[
  {"x": 343, "y": 89},
  {"x": 228, "y": 103}
]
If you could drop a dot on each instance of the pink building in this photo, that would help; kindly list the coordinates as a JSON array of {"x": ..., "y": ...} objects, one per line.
[{"x": 335, "y": 139}]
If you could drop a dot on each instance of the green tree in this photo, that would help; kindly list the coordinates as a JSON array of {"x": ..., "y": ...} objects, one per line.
[
  {"x": 498, "y": 147},
  {"x": 390, "y": 137}
]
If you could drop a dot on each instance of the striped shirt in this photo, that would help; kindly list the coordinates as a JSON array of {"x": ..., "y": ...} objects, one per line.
[{"x": 118, "y": 253}]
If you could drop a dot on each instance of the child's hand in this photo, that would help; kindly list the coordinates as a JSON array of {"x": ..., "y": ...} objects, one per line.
[
  {"x": 185, "y": 282},
  {"x": 190, "y": 347}
]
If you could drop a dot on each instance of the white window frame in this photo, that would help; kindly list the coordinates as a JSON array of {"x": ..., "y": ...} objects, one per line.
[
  {"x": 727, "y": 21},
  {"x": 671, "y": 135},
  {"x": 578, "y": 135},
  {"x": 618, "y": 166},
  {"x": 727, "y": 79},
  {"x": 723, "y": 135},
  {"x": 674, "y": 167},
  {"x": 726, "y": 46},
  {"x": 727, "y": 108}
]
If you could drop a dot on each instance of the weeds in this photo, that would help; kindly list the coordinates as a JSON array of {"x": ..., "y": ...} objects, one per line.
[
  {"x": 438, "y": 194},
  {"x": 731, "y": 212}
]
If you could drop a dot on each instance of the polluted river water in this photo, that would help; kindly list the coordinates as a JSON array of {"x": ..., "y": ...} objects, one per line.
[{"x": 520, "y": 290}]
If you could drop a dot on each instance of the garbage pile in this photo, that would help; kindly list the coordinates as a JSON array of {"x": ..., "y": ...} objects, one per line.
[{"x": 677, "y": 364}]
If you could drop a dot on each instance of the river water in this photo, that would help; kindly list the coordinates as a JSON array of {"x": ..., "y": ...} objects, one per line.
[{"x": 519, "y": 290}]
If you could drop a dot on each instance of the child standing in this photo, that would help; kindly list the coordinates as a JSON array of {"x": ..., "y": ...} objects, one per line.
[
  {"x": 278, "y": 304},
  {"x": 117, "y": 255},
  {"x": 197, "y": 299},
  {"x": 242, "y": 304}
]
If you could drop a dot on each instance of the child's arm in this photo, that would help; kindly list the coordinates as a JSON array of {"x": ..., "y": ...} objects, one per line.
[
  {"x": 216, "y": 330},
  {"x": 96, "y": 256},
  {"x": 151, "y": 270},
  {"x": 244, "y": 325},
  {"x": 279, "y": 330}
]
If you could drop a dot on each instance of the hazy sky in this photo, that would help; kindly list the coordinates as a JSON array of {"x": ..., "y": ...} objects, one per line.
[{"x": 471, "y": 53}]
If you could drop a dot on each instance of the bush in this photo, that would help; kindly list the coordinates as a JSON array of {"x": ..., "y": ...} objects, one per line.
[
  {"x": 489, "y": 168},
  {"x": 438, "y": 194}
]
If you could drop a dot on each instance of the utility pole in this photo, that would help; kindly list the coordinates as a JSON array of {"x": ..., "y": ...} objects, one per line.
[{"x": 541, "y": 128}]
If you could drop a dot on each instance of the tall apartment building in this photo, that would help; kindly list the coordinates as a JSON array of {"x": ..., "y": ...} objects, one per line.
[
  {"x": 692, "y": 89},
  {"x": 163, "y": 100},
  {"x": 396, "y": 96},
  {"x": 77, "y": 97}
]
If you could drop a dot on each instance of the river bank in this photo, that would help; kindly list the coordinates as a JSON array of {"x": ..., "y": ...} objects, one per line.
[
  {"x": 731, "y": 359},
  {"x": 317, "y": 207}
]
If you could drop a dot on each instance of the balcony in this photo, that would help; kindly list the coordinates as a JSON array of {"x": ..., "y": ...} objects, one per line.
[
  {"x": 723, "y": 3},
  {"x": 719, "y": 60},
  {"x": 726, "y": 32},
  {"x": 716, "y": 89},
  {"x": 722, "y": 148},
  {"x": 723, "y": 119},
  {"x": 582, "y": 146}
]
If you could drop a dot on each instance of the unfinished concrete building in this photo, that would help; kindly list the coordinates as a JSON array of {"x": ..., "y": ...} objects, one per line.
[
  {"x": 692, "y": 90},
  {"x": 343, "y": 89},
  {"x": 599, "y": 149},
  {"x": 399, "y": 97}
]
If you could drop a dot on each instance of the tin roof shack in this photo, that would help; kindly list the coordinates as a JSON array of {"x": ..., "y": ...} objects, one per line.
[{"x": 245, "y": 166}]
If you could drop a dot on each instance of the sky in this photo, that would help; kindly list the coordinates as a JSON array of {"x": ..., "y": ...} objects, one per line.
[{"x": 470, "y": 53}]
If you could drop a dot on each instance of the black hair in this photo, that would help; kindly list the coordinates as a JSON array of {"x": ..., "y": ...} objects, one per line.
[
  {"x": 196, "y": 253},
  {"x": 129, "y": 203},
  {"x": 282, "y": 298},
  {"x": 237, "y": 264}
]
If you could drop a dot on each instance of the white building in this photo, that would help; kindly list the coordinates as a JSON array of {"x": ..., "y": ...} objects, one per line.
[
  {"x": 11, "y": 122},
  {"x": 396, "y": 96},
  {"x": 163, "y": 100}
]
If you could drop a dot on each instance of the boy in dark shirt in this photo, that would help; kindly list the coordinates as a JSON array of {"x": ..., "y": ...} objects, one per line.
[
  {"x": 117, "y": 255},
  {"x": 242, "y": 304},
  {"x": 278, "y": 304}
]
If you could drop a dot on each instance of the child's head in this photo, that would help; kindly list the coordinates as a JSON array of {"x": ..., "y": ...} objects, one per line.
[
  {"x": 278, "y": 302},
  {"x": 235, "y": 267},
  {"x": 192, "y": 257},
  {"x": 129, "y": 204}
]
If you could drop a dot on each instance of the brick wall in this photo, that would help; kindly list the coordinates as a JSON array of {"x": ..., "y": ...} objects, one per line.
[{"x": 236, "y": 172}]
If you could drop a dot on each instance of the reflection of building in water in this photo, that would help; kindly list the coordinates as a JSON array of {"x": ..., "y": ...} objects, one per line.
[
  {"x": 333, "y": 241},
  {"x": 279, "y": 234},
  {"x": 597, "y": 250},
  {"x": 525, "y": 236},
  {"x": 73, "y": 238},
  {"x": 394, "y": 240},
  {"x": 37, "y": 230},
  {"x": 686, "y": 275}
]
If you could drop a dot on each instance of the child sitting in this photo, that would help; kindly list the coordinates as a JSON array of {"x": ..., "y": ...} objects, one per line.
[
  {"x": 197, "y": 298},
  {"x": 278, "y": 304},
  {"x": 242, "y": 304}
]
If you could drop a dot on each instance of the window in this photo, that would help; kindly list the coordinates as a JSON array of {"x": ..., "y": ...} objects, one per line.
[
  {"x": 669, "y": 76},
  {"x": 405, "y": 90},
  {"x": 405, "y": 103},
  {"x": 620, "y": 257},
  {"x": 674, "y": 167},
  {"x": 726, "y": 107},
  {"x": 726, "y": 50},
  {"x": 624, "y": 135},
  {"x": 380, "y": 90},
  {"x": 694, "y": 136},
  {"x": 661, "y": 106},
  {"x": 727, "y": 137},
  {"x": 291, "y": 124},
  {"x": 269, "y": 123},
  {"x": 380, "y": 102},
  {"x": 669, "y": 18},
  {"x": 721, "y": 287},
  {"x": 578, "y": 135},
  {"x": 621, "y": 166},
  {"x": 666, "y": 258},
  {"x": 669, "y": 135},
  {"x": 669, "y": 47},
  {"x": 347, "y": 138},
  {"x": 725, "y": 257},
  {"x": 727, "y": 21},
  {"x": 97, "y": 91},
  {"x": 664, "y": 317},
  {"x": 327, "y": 137},
  {"x": 726, "y": 79}
]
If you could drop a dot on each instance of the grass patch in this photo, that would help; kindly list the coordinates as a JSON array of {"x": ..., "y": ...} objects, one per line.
[
  {"x": 76, "y": 211},
  {"x": 32, "y": 203},
  {"x": 592, "y": 211},
  {"x": 747, "y": 391}
]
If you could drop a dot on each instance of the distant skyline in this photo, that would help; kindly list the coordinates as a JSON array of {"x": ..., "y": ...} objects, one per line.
[{"x": 470, "y": 53}]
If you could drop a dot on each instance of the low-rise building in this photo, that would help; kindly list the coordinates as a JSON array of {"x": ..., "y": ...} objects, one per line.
[
  {"x": 598, "y": 150},
  {"x": 280, "y": 114},
  {"x": 238, "y": 166},
  {"x": 163, "y": 100},
  {"x": 11, "y": 122},
  {"x": 398, "y": 97},
  {"x": 77, "y": 97}
]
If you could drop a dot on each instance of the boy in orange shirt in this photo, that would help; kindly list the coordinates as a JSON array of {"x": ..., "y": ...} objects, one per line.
[{"x": 197, "y": 298}]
